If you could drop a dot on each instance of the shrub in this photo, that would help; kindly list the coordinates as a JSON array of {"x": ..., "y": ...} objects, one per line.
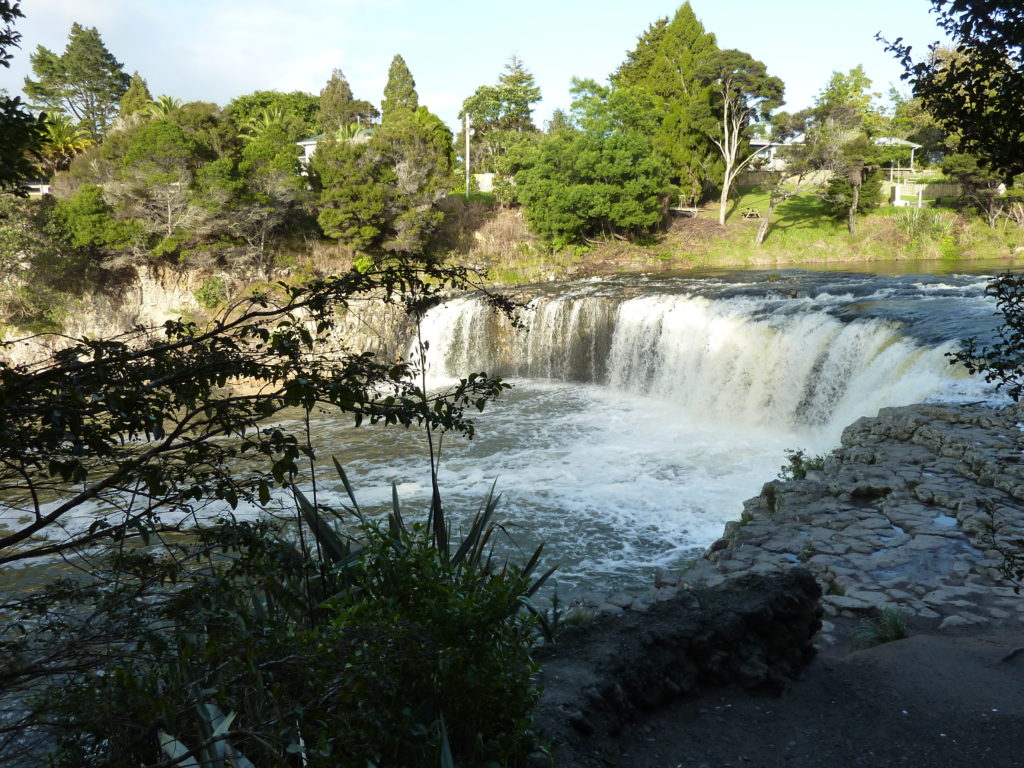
[
  {"x": 889, "y": 625},
  {"x": 799, "y": 464},
  {"x": 381, "y": 648},
  {"x": 212, "y": 292}
]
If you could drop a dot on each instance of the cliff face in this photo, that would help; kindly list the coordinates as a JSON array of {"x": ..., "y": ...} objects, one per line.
[{"x": 146, "y": 296}]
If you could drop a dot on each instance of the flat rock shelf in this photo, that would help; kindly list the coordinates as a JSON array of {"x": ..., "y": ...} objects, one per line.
[{"x": 910, "y": 513}]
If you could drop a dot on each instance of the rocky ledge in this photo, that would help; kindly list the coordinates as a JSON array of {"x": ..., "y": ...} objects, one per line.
[
  {"x": 910, "y": 513},
  {"x": 752, "y": 630}
]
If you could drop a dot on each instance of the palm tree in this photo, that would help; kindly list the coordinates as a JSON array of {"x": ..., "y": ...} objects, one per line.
[
  {"x": 267, "y": 119},
  {"x": 62, "y": 140},
  {"x": 162, "y": 107},
  {"x": 353, "y": 132}
]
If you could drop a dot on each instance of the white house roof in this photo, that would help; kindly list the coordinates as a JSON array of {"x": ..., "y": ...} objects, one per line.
[{"x": 892, "y": 141}]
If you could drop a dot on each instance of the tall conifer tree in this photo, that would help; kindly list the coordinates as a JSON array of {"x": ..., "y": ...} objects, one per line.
[
  {"x": 86, "y": 81},
  {"x": 400, "y": 92},
  {"x": 137, "y": 97},
  {"x": 339, "y": 108},
  {"x": 665, "y": 66}
]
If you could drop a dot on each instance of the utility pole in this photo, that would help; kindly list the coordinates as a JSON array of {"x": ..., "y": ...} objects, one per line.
[{"x": 466, "y": 129}]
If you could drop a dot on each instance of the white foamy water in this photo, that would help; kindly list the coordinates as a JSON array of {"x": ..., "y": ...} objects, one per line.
[
  {"x": 644, "y": 412},
  {"x": 642, "y": 419}
]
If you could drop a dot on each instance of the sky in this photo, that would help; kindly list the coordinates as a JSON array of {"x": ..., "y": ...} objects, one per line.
[{"x": 215, "y": 50}]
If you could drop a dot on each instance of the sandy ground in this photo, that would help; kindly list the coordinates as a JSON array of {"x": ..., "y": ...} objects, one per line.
[{"x": 928, "y": 701}]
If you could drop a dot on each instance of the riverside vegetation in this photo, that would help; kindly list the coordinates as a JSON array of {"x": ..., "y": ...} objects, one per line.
[{"x": 378, "y": 643}]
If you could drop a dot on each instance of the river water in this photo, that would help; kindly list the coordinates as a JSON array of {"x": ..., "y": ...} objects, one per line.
[{"x": 644, "y": 410}]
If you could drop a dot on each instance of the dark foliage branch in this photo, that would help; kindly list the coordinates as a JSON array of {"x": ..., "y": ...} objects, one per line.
[
  {"x": 1001, "y": 362},
  {"x": 976, "y": 88},
  {"x": 148, "y": 422}
]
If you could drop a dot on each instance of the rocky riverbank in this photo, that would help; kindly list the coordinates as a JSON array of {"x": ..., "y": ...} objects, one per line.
[{"x": 906, "y": 514}]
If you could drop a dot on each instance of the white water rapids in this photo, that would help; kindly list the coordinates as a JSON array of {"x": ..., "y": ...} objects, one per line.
[{"x": 644, "y": 412}]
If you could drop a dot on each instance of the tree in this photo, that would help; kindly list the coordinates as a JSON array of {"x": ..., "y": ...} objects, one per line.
[
  {"x": 162, "y": 107},
  {"x": 560, "y": 121},
  {"x": 811, "y": 156},
  {"x": 496, "y": 111},
  {"x": 844, "y": 119},
  {"x": 380, "y": 196},
  {"x": 86, "y": 81},
  {"x": 847, "y": 100},
  {"x": 63, "y": 141},
  {"x": 912, "y": 121},
  {"x": 578, "y": 185},
  {"x": 639, "y": 62},
  {"x": 978, "y": 183},
  {"x": 339, "y": 108},
  {"x": 400, "y": 91},
  {"x": 745, "y": 94},
  {"x": 116, "y": 442},
  {"x": 269, "y": 193},
  {"x": 517, "y": 93},
  {"x": 36, "y": 269},
  {"x": 21, "y": 133},
  {"x": 978, "y": 91},
  {"x": 298, "y": 109},
  {"x": 137, "y": 97},
  {"x": 134, "y": 425},
  {"x": 665, "y": 67},
  {"x": 855, "y": 187}
]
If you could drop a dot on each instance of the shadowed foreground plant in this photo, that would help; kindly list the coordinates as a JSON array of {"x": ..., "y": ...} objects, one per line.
[{"x": 368, "y": 645}]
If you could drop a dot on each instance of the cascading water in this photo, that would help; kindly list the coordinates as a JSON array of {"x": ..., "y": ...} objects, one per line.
[
  {"x": 645, "y": 411},
  {"x": 735, "y": 361}
]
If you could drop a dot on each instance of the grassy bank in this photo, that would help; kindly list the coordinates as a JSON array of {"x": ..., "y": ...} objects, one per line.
[{"x": 802, "y": 233}]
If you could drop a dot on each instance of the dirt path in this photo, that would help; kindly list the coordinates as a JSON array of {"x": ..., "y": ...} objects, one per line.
[{"x": 928, "y": 701}]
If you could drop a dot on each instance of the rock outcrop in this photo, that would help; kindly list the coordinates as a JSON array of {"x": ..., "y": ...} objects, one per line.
[{"x": 909, "y": 513}]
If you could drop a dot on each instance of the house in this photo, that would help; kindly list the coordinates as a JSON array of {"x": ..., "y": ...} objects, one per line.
[
  {"x": 768, "y": 158},
  {"x": 350, "y": 133}
]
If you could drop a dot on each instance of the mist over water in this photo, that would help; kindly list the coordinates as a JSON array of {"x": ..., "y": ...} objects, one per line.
[{"x": 645, "y": 411}]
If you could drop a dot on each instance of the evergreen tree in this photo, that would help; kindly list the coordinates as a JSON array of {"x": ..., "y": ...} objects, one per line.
[
  {"x": 518, "y": 92},
  {"x": 137, "y": 97},
  {"x": 339, "y": 108},
  {"x": 499, "y": 112},
  {"x": 86, "y": 81},
  {"x": 663, "y": 71},
  {"x": 400, "y": 92},
  {"x": 673, "y": 80},
  {"x": 380, "y": 196},
  {"x": 635, "y": 69}
]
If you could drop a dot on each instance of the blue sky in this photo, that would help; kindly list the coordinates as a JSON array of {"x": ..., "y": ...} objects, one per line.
[{"x": 214, "y": 50}]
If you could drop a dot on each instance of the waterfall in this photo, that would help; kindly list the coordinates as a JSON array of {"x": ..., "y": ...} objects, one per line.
[{"x": 738, "y": 360}]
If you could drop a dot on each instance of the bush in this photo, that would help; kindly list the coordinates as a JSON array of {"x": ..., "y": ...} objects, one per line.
[
  {"x": 839, "y": 194},
  {"x": 798, "y": 464},
  {"x": 212, "y": 292},
  {"x": 379, "y": 649}
]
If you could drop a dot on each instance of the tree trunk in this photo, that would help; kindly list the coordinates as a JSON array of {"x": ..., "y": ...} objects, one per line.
[
  {"x": 725, "y": 198},
  {"x": 851, "y": 221},
  {"x": 762, "y": 230}
]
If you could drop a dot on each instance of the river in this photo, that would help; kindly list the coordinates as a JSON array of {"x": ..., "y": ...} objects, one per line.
[{"x": 644, "y": 410}]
